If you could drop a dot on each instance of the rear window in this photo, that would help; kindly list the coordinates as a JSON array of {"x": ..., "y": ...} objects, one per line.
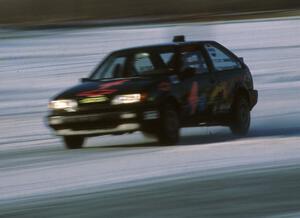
[{"x": 220, "y": 59}]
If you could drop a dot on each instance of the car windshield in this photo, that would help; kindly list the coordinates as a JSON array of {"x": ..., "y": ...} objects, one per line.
[{"x": 136, "y": 64}]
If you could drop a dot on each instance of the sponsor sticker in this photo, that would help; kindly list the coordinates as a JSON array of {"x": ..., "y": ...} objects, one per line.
[
  {"x": 193, "y": 98},
  {"x": 164, "y": 86},
  {"x": 93, "y": 100},
  {"x": 202, "y": 103},
  {"x": 174, "y": 79}
]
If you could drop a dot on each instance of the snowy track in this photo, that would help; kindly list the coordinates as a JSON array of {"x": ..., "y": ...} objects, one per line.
[{"x": 209, "y": 174}]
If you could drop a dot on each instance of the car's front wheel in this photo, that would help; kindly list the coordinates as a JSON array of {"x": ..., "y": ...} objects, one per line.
[
  {"x": 169, "y": 130},
  {"x": 73, "y": 142},
  {"x": 241, "y": 117}
]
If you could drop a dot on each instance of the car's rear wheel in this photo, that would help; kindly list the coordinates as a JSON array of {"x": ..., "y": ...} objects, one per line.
[
  {"x": 241, "y": 117},
  {"x": 169, "y": 130},
  {"x": 73, "y": 142}
]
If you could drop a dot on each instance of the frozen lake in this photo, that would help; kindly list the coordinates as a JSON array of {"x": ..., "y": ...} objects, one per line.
[{"x": 35, "y": 169}]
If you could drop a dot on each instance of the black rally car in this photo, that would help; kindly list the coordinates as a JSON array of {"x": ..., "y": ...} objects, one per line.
[{"x": 157, "y": 90}]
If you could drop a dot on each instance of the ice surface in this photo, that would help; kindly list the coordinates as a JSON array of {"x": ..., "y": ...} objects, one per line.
[{"x": 35, "y": 65}]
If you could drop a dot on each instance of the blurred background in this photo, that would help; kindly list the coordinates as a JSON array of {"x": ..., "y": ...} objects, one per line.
[
  {"x": 46, "y": 46},
  {"x": 37, "y": 12}
]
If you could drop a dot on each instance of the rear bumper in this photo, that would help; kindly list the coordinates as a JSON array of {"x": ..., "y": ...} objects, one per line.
[
  {"x": 103, "y": 123},
  {"x": 253, "y": 95}
]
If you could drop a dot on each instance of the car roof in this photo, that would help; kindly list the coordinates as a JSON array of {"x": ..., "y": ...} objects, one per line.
[{"x": 170, "y": 46}]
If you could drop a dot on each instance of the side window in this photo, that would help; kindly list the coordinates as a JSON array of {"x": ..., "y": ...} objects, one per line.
[
  {"x": 195, "y": 60},
  {"x": 113, "y": 68},
  {"x": 168, "y": 59},
  {"x": 142, "y": 63},
  {"x": 221, "y": 60}
]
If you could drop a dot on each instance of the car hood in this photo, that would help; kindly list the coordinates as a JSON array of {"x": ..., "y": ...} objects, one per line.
[{"x": 110, "y": 87}]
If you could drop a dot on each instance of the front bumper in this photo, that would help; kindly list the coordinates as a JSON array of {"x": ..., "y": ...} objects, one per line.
[{"x": 104, "y": 123}]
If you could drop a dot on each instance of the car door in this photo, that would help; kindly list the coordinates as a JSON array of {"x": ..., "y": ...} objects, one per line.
[
  {"x": 226, "y": 72},
  {"x": 199, "y": 86}
]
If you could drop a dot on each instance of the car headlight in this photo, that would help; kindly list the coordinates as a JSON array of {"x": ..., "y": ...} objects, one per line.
[
  {"x": 68, "y": 105},
  {"x": 127, "y": 99}
]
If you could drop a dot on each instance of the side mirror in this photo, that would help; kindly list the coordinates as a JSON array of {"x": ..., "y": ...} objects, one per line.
[
  {"x": 83, "y": 80},
  {"x": 242, "y": 59},
  {"x": 188, "y": 73}
]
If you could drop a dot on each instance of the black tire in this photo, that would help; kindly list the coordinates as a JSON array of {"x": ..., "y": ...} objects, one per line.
[
  {"x": 73, "y": 142},
  {"x": 241, "y": 117},
  {"x": 169, "y": 130}
]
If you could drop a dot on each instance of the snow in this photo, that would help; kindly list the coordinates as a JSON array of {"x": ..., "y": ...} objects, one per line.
[{"x": 35, "y": 65}]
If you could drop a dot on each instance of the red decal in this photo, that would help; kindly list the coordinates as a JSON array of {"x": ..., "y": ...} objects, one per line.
[
  {"x": 102, "y": 89},
  {"x": 97, "y": 92},
  {"x": 193, "y": 98},
  {"x": 115, "y": 83},
  {"x": 164, "y": 86}
]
